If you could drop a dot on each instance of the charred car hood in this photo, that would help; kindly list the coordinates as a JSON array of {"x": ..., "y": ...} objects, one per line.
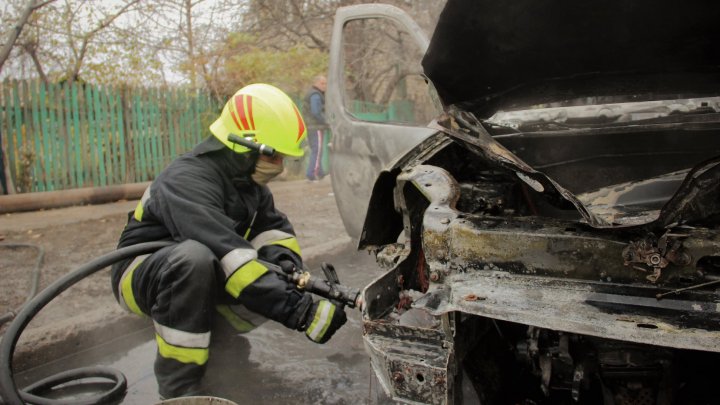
[
  {"x": 491, "y": 59},
  {"x": 696, "y": 194},
  {"x": 492, "y": 55}
]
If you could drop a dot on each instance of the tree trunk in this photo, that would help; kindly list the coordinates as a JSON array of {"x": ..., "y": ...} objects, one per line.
[{"x": 5, "y": 177}]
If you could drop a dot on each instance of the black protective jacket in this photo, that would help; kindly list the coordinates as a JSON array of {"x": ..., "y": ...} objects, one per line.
[{"x": 207, "y": 195}]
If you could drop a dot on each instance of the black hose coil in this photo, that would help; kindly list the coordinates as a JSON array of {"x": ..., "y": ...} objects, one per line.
[{"x": 10, "y": 392}]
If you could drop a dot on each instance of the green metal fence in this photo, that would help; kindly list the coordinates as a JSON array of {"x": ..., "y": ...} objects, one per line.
[{"x": 61, "y": 136}]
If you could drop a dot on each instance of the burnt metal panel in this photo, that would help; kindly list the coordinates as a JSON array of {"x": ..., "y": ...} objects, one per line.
[
  {"x": 383, "y": 222},
  {"x": 414, "y": 365},
  {"x": 577, "y": 307}
]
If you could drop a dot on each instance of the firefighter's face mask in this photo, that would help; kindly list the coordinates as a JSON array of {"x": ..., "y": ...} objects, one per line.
[{"x": 267, "y": 168}]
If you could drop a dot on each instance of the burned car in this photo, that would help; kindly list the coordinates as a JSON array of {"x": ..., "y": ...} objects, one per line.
[{"x": 551, "y": 236}]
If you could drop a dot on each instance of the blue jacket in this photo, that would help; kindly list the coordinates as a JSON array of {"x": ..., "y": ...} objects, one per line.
[{"x": 314, "y": 109}]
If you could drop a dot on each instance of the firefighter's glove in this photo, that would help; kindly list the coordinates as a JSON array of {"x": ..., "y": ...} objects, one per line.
[
  {"x": 287, "y": 266},
  {"x": 323, "y": 319}
]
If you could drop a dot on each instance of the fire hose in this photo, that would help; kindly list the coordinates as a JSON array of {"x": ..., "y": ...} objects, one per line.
[{"x": 329, "y": 288}]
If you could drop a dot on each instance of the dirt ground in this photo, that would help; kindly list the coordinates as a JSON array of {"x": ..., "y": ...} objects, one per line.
[{"x": 70, "y": 237}]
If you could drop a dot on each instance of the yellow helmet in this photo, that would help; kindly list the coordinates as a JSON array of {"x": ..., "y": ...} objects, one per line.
[{"x": 264, "y": 113}]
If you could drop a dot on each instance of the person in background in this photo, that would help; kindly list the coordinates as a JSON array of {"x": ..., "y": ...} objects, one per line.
[
  {"x": 214, "y": 205},
  {"x": 314, "y": 114}
]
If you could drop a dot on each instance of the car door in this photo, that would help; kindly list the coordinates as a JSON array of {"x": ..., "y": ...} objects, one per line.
[{"x": 378, "y": 101}]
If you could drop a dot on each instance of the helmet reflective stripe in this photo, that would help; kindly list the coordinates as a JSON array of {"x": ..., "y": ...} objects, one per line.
[
  {"x": 301, "y": 124},
  {"x": 275, "y": 237},
  {"x": 178, "y": 337},
  {"x": 182, "y": 354},
  {"x": 320, "y": 323},
  {"x": 127, "y": 298},
  {"x": 239, "y": 112}
]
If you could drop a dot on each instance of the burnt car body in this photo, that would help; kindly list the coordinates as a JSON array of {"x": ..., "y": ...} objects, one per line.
[{"x": 552, "y": 236}]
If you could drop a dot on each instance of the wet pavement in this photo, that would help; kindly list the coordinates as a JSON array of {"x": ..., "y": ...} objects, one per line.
[{"x": 269, "y": 365}]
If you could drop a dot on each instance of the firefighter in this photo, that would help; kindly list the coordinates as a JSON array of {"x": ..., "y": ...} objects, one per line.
[{"x": 214, "y": 204}]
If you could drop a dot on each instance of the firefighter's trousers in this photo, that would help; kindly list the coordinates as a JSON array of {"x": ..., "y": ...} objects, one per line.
[{"x": 178, "y": 287}]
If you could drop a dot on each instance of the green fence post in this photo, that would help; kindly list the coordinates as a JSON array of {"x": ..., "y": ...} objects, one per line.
[
  {"x": 136, "y": 136},
  {"x": 196, "y": 116},
  {"x": 184, "y": 125},
  {"x": 143, "y": 136},
  {"x": 33, "y": 94},
  {"x": 92, "y": 137},
  {"x": 77, "y": 137},
  {"x": 152, "y": 146},
  {"x": 44, "y": 133},
  {"x": 157, "y": 132},
  {"x": 112, "y": 136},
  {"x": 102, "y": 131},
  {"x": 127, "y": 126},
  {"x": 137, "y": 139},
  {"x": 67, "y": 97},
  {"x": 117, "y": 113},
  {"x": 18, "y": 114},
  {"x": 55, "y": 114},
  {"x": 172, "y": 128},
  {"x": 111, "y": 156}
]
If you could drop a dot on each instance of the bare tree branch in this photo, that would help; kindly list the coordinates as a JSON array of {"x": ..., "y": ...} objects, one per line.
[
  {"x": 30, "y": 48},
  {"x": 15, "y": 33},
  {"x": 87, "y": 37},
  {"x": 303, "y": 21}
]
